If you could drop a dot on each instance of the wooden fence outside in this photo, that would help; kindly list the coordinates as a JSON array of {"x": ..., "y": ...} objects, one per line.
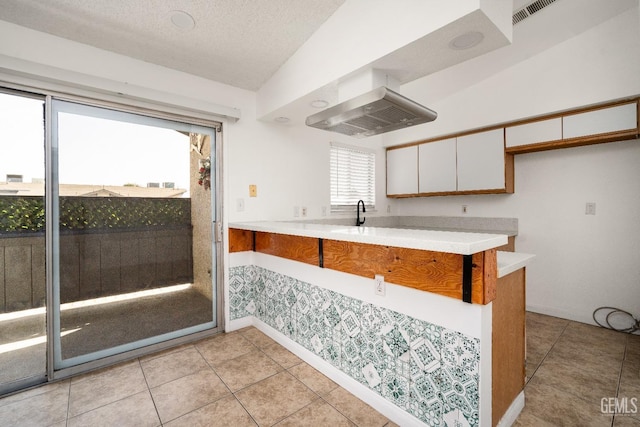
[{"x": 94, "y": 264}]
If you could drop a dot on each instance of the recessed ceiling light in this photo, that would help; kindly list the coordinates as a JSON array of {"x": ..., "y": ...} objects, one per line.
[
  {"x": 466, "y": 40},
  {"x": 319, "y": 103},
  {"x": 281, "y": 119},
  {"x": 182, "y": 20}
]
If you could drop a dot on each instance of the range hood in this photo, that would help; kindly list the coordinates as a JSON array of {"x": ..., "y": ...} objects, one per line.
[{"x": 379, "y": 111}]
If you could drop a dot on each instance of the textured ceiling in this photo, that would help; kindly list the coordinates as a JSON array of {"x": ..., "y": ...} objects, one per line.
[
  {"x": 237, "y": 42},
  {"x": 244, "y": 43}
]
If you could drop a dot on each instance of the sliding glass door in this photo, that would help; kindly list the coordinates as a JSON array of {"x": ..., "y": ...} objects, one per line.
[
  {"x": 23, "y": 339},
  {"x": 107, "y": 243},
  {"x": 133, "y": 203}
]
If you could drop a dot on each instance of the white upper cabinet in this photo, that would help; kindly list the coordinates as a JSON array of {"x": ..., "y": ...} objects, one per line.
[
  {"x": 603, "y": 120},
  {"x": 437, "y": 166},
  {"x": 534, "y": 132},
  {"x": 469, "y": 163},
  {"x": 481, "y": 161},
  {"x": 402, "y": 170}
]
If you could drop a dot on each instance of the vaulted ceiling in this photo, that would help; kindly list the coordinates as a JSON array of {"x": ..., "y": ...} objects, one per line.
[
  {"x": 237, "y": 42},
  {"x": 293, "y": 51}
]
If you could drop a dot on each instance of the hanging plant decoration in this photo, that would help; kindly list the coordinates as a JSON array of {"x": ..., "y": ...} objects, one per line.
[{"x": 204, "y": 174}]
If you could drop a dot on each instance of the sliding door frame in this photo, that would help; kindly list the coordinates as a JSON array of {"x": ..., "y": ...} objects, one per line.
[
  {"x": 56, "y": 372},
  {"x": 41, "y": 376},
  {"x": 149, "y": 109}
]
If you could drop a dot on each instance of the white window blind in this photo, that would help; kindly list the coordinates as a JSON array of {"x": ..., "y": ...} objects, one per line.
[{"x": 352, "y": 172}]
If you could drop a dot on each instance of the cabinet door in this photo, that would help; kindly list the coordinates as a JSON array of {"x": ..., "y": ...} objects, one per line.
[
  {"x": 402, "y": 170},
  {"x": 481, "y": 161},
  {"x": 535, "y": 132},
  {"x": 621, "y": 117},
  {"x": 437, "y": 166}
]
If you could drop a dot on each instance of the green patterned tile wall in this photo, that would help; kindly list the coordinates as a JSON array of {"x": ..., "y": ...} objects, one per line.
[{"x": 426, "y": 370}]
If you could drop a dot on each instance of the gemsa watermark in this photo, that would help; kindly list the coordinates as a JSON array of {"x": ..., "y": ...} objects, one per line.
[{"x": 619, "y": 405}]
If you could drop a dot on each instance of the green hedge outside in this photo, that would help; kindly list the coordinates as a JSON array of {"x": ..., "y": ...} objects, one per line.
[{"x": 24, "y": 214}]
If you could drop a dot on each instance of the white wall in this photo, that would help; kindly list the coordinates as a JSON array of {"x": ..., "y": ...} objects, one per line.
[
  {"x": 583, "y": 262},
  {"x": 290, "y": 166}
]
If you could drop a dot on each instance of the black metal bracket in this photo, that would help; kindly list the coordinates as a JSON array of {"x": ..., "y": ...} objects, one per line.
[
  {"x": 467, "y": 266},
  {"x": 253, "y": 241},
  {"x": 320, "y": 254}
]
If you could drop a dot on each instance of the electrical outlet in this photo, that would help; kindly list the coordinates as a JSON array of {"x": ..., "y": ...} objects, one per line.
[
  {"x": 304, "y": 211},
  {"x": 239, "y": 205},
  {"x": 324, "y": 211},
  {"x": 380, "y": 287},
  {"x": 590, "y": 208},
  {"x": 464, "y": 209},
  {"x": 388, "y": 208}
]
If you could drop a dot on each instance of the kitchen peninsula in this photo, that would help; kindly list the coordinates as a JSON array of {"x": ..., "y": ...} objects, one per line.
[{"x": 421, "y": 348}]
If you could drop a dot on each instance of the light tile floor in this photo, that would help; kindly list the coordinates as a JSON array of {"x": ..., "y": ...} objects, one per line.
[
  {"x": 571, "y": 367},
  {"x": 238, "y": 379},
  {"x": 247, "y": 379}
]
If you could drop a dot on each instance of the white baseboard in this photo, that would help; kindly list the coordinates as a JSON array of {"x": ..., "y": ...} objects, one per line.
[
  {"x": 234, "y": 325},
  {"x": 550, "y": 311},
  {"x": 512, "y": 413},
  {"x": 362, "y": 392}
]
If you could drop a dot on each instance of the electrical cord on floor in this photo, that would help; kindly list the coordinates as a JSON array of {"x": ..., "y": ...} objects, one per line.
[{"x": 630, "y": 330}]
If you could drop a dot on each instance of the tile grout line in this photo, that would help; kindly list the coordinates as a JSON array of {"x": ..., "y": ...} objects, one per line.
[
  {"x": 208, "y": 403},
  {"x": 313, "y": 391},
  {"x": 112, "y": 402},
  {"x": 339, "y": 411},
  {"x": 266, "y": 378},
  {"x": 624, "y": 357},
  {"x": 66, "y": 418},
  {"x": 547, "y": 353},
  {"x": 318, "y": 396},
  {"x": 576, "y": 396},
  {"x": 146, "y": 382},
  {"x": 225, "y": 384}
]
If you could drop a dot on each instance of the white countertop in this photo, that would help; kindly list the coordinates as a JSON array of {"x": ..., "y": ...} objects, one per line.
[
  {"x": 430, "y": 240},
  {"x": 508, "y": 262}
]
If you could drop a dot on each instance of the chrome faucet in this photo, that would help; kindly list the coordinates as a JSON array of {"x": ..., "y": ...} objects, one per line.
[{"x": 358, "y": 222}]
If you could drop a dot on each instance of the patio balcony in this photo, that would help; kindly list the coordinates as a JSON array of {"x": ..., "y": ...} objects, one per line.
[{"x": 102, "y": 252}]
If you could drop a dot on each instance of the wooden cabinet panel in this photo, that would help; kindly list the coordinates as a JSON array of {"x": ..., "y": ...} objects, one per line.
[
  {"x": 535, "y": 132},
  {"x": 240, "y": 240},
  {"x": 297, "y": 248},
  {"x": 438, "y": 272},
  {"x": 437, "y": 166},
  {"x": 402, "y": 170},
  {"x": 508, "y": 343},
  {"x": 603, "y": 120},
  {"x": 481, "y": 161}
]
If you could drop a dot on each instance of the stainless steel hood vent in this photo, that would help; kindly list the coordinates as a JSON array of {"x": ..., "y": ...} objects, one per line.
[{"x": 379, "y": 111}]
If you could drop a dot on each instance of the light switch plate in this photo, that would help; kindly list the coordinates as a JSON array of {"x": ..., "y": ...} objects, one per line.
[{"x": 253, "y": 190}]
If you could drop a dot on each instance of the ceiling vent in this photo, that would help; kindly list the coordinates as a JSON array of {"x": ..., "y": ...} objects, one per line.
[{"x": 530, "y": 9}]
